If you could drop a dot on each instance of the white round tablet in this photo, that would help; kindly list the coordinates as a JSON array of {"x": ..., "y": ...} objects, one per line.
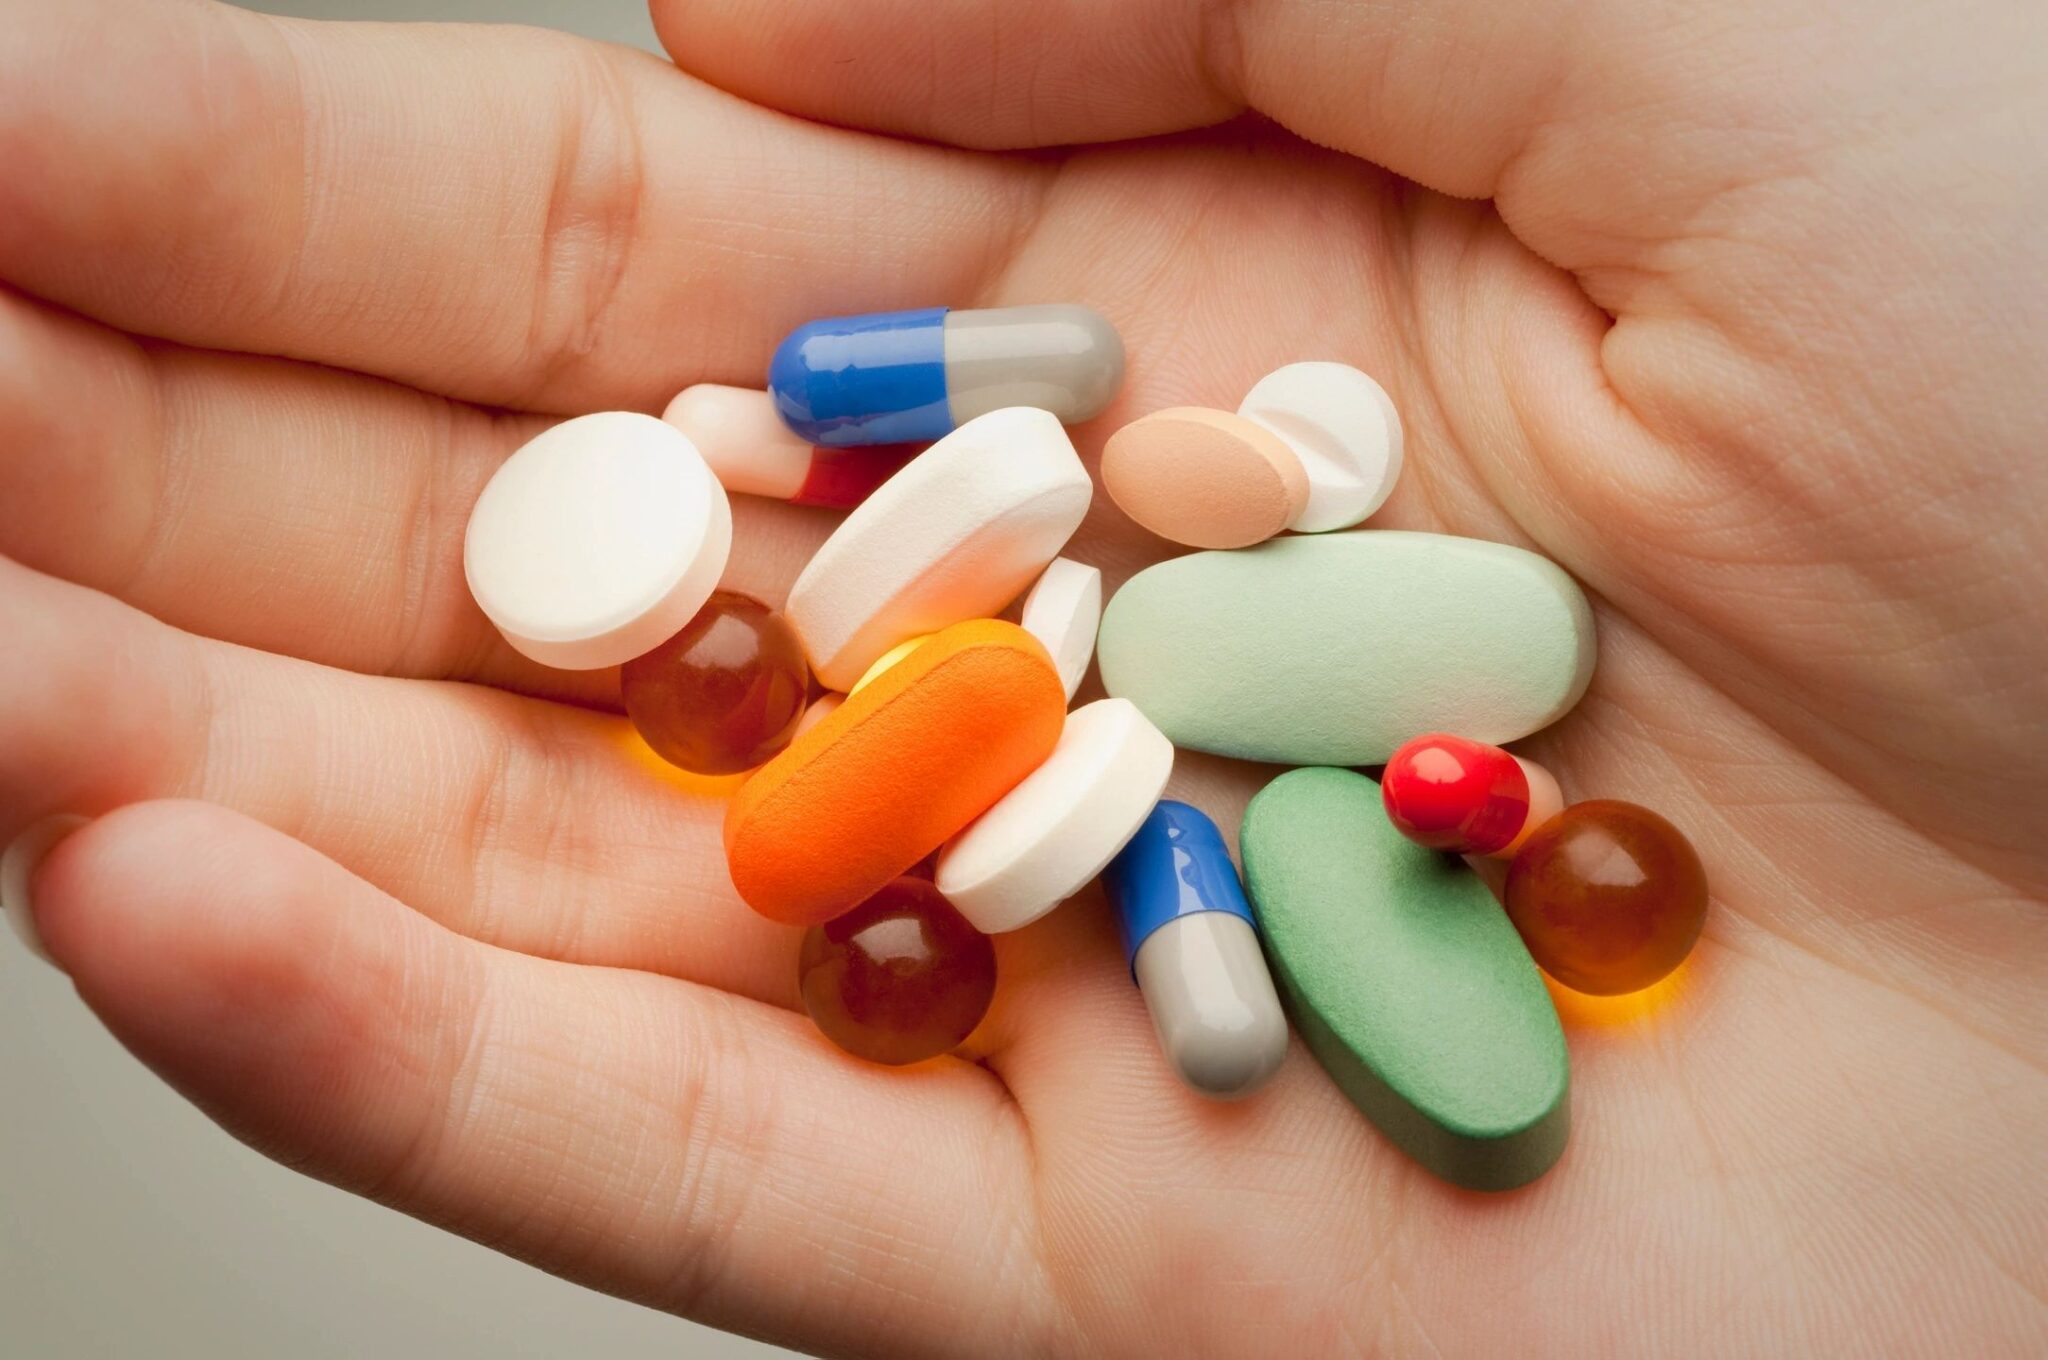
[
  {"x": 597, "y": 540},
  {"x": 1044, "y": 839},
  {"x": 1343, "y": 427},
  {"x": 1063, "y": 611}
]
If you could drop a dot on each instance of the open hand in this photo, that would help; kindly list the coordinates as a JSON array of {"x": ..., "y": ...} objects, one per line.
[{"x": 1735, "y": 312}]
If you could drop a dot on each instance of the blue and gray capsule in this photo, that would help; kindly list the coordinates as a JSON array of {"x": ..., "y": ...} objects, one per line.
[
  {"x": 910, "y": 377},
  {"x": 1194, "y": 953}
]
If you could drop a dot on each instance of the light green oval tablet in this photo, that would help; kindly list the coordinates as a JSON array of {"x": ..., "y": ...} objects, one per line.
[
  {"x": 1335, "y": 649},
  {"x": 1407, "y": 981}
]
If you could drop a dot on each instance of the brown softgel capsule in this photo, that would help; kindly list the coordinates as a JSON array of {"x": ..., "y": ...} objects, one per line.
[
  {"x": 725, "y": 693},
  {"x": 1608, "y": 896},
  {"x": 900, "y": 978}
]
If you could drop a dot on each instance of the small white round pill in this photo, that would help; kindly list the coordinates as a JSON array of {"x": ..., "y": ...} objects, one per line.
[
  {"x": 1044, "y": 839},
  {"x": 597, "y": 540},
  {"x": 1063, "y": 611},
  {"x": 1343, "y": 427}
]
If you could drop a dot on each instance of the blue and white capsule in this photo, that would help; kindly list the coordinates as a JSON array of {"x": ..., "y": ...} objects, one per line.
[
  {"x": 905, "y": 377},
  {"x": 1194, "y": 950}
]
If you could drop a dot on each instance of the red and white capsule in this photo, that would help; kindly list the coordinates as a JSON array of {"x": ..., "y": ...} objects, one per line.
[
  {"x": 753, "y": 452},
  {"x": 1465, "y": 797}
]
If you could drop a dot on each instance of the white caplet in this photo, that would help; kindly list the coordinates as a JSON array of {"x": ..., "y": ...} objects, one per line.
[
  {"x": 1045, "y": 838},
  {"x": 955, "y": 535},
  {"x": 597, "y": 540},
  {"x": 1343, "y": 427},
  {"x": 1063, "y": 611}
]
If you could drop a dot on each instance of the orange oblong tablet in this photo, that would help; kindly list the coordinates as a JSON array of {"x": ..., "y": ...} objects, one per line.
[{"x": 894, "y": 771}]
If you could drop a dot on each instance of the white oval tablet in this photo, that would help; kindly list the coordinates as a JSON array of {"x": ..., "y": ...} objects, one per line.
[
  {"x": 1044, "y": 839},
  {"x": 1343, "y": 427},
  {"x": 954, "y": 536},
  {"x": 597, "y": 540},
  {"x": 1063, "y": 611}
]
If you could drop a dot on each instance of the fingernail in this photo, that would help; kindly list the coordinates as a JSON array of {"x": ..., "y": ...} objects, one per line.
[{"x": 18, "y": 868}]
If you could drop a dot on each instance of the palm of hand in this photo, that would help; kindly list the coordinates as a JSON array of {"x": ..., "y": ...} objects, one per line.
[{"x": 574, "y": 1044}]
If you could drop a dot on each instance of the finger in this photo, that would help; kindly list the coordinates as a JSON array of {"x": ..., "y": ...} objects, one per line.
[
  {"x": 649, "y": 1137},
  {"x": 505, "y": 215},
  {"x": 987, "y": 74},
  {"x": 297, "y": 509},
  {"x": 533, "y": 826}
]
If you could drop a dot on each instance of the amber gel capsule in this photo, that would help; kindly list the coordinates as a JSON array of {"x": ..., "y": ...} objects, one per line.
[
  {"x": 900, "y": 978},
  {"x": 1608, "y": 896},
  {"x": 725, "y": 693}
]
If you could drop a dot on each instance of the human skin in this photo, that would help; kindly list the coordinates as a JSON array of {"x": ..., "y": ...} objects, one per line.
[{"x": 1736, "y": 311}]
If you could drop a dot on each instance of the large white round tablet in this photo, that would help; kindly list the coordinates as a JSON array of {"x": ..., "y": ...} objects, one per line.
[
  {"x": 956, "y": 535},
  {"x": 1063, "y": 611},
  {"x": 1044, "y": 839},
  {"x": 597, "y": 540},
  {"x": 1343, "y": 427}
]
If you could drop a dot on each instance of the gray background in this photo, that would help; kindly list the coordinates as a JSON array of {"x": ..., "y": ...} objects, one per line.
[{"x": 131, "y": 1226}]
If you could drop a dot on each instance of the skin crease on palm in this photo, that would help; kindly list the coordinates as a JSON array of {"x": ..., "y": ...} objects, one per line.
[{"x": 1735, "y": 310}]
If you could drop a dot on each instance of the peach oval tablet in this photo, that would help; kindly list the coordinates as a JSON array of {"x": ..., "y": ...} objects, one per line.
[
  {"x": 894, "y": 772},
  {"x": 1209, "y": 479}
]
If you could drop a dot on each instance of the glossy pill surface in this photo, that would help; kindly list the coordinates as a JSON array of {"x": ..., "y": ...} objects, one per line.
[
  {"x": 897, "y": 377},
  {"x": 752, "y": 452},
  {"x": 1465, "y": 797},
  {"x": 1189, "y": 937},
  {"x": 725, "y": 693},
  {"x": 900, "y": 978},
  {"x": 1608, "y": 896},
  {"x": 893, "y": 772},
  {"x": 1407, "y": 982}
]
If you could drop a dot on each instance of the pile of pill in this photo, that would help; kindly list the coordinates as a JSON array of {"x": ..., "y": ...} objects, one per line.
[{"x": 914, "y": 781}]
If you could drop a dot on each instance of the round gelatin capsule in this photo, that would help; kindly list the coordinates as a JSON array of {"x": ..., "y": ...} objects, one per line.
[
  {"x": 725, "y": 693},
  {"x": 904, "y": 377},
  {"x": 1608, "y": 896},
  {"x": 1466, "y": 797},
  {"x": 900, "y": 978}
]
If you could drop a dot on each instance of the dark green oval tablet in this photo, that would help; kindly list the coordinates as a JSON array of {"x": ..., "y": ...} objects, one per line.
[{"x": 1408, "y": 982}]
